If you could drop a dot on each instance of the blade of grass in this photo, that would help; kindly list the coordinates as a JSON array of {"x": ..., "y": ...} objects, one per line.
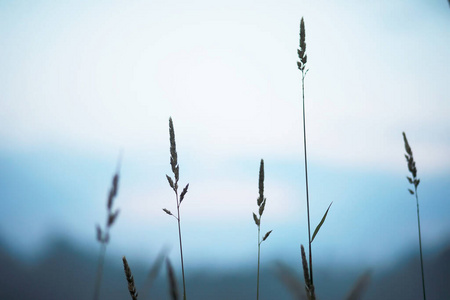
[{"x": 321, "y": 223}]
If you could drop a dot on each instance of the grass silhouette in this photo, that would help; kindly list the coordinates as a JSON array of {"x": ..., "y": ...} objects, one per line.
[
  {"x": 415, "y": 182},
  {"x": 103, "y": 235},
  {"x": 261, "y": 201},
  {"x": 179, "y": 198}
]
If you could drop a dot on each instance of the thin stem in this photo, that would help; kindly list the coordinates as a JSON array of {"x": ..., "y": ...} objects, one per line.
[
  {"x": 181, "y": 245},
  {"x": 98, "y": 281},
  {"x": 259, "y": 251},
  {"x": 420, "y": 245},
  {"x": 306, "y": 177}
]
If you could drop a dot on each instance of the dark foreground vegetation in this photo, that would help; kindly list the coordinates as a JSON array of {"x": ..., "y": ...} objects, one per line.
[{"x": 67, "y": 272}]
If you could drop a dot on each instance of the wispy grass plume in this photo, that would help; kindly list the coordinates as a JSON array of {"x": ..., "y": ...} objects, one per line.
[
  {"x": 153, "y": 273},
  {"x": 415, "y": 182},
  {"x": 360, "y": 287},
  {"x": 103, "y": 235},
  {"x": 261, "y": 201},
  {"x": 290, "y": 280},
  {"x": 179, "y": 198}
]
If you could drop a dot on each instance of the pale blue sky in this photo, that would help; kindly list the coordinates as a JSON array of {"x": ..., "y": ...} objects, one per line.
[{"x": 80, "y": 80}]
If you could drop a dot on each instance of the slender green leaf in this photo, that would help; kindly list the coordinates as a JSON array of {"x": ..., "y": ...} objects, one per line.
[{"x": 321, "y": 223}]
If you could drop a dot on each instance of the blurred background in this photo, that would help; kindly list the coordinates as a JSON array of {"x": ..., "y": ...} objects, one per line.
[{"x": 82, "y": 81}]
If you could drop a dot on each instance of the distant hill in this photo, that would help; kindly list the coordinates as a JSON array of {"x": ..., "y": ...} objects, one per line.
[{"x": 66, "y": 272}]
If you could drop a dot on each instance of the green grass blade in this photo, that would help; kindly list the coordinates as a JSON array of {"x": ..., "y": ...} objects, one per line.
[{"x": 321, "y": 223}]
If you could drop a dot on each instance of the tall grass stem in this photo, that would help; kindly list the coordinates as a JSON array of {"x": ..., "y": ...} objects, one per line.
[
  {"x": 259, "y": 259},
  {"x": 261, "y": 201},
  {"x": 303, "y": 59},
  {"x": 415, "y": 182},
  {"x": 420, "y": 246},
  {"x": 306, "y": 178},
  {"x": 181, "y": 247},
  {"x": 173, "y": 182},
  {"x": 98, "y": 281}
]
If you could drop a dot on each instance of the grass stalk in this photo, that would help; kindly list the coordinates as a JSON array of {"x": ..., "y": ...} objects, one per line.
[
  {"x": 173, "y": 182},
  {"x": 259, "y": 262},
  {"x": 301, "y": 64},
  {"x": 172, "y": 281},
  {"x": 153, "y": 273},
  {"x": 181, "y": 252},
  {"x": 261, "y": 202},
  {"x": 420, "y": 246},
  {"x": 99, "y": 276},
  {"x": 415, "y": 182},
  {"x": 302, "y": 67},
  {"x": 103, "y": 235}
]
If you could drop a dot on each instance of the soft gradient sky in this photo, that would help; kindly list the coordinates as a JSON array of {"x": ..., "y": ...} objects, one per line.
[{"x": 81, "y": 80}]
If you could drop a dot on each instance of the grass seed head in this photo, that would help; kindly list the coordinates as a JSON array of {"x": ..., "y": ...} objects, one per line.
[
  {"x": 130, "y": 279},
  {"x": 261, "y": 183},
  {"x": 113, "y": 191},
  {"x": 261, "y": 208},
  {"x": 266, "y": 235},
  {"x": 183, "y": 193},
  {"x": 256, "y": 219},
  {"x": 411, "y": 163},
  {"x": 305, "y": 266},
  {"x": 113, "y": 217},
  {"x": 173, "y": 151},
  {"x": 99, "y": 233},
  {"x": 302, "y": 50},
  {"x": 170, "y": 180}
]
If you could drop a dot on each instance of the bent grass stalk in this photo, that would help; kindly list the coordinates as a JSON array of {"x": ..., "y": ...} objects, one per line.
[
  {"x": 173, "y": 290},
  {"x": 153, "y": 273},
  {"x": 261, "y": 201},
  {"x": 179, "y": 198},
  {"x": 103, "y": 235},
  {"x": 415, "y": 182}
]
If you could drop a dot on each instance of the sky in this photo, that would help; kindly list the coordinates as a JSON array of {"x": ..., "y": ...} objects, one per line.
[{"x": 82, "y": 81}]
